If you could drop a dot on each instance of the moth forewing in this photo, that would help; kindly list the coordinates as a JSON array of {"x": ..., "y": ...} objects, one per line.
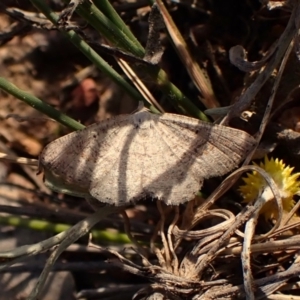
[{"x": 128, "y": 157}]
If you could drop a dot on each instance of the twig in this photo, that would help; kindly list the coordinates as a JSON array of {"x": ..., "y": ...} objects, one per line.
[
  {"x": 283, "y": 43},
  {"x": 141, "y": 87},
  {"x": 242, "y": 217},
  {"x": 268, "y": 109},
  {"x": 19, "y": 160},
  {"x": 266, "y": 196},
  {"x": 192, "y": 67},
  {"x": 170, "y": 242},
  {"x": 58, "y": 267},
  {"x": 132, "y": 238},
  {"x": 167, "y": 260},
  {"x": 27, "y": 169},
  {"x": 74, "y": 233},
  {"x": 67, "y": 13}
]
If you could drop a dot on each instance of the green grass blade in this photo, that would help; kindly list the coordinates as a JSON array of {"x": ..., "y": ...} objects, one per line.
[{"x": 39, "y": 105}]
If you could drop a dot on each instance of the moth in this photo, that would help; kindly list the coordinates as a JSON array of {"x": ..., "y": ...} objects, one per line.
[{"x": 130, "y": 157}]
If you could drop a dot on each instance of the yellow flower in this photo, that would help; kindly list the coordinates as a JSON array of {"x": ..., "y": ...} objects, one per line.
[{"x": 287, "y": 183}]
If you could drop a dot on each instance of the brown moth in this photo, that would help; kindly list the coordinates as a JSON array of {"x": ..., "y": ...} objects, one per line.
[{"x": 129, "y": 157}]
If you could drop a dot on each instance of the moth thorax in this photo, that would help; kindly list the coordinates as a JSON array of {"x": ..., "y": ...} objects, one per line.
[{"x": 142, "y": 120}]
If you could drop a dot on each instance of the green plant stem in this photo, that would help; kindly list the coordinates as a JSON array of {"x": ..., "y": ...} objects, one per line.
[
  {"x": 108, "y": 29},
  {"x": 40, "y": 225},
  {"x": 179, "y": 100},
  {"x": 108, "y": 11},
  {"x": 88, "y": 51},
  {"x": 120, "y": 39},
  {"x": 39, "y": 105}
]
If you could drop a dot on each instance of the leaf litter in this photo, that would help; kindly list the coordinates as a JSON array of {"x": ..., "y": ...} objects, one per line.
[{"x": 181, "y": 245}]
